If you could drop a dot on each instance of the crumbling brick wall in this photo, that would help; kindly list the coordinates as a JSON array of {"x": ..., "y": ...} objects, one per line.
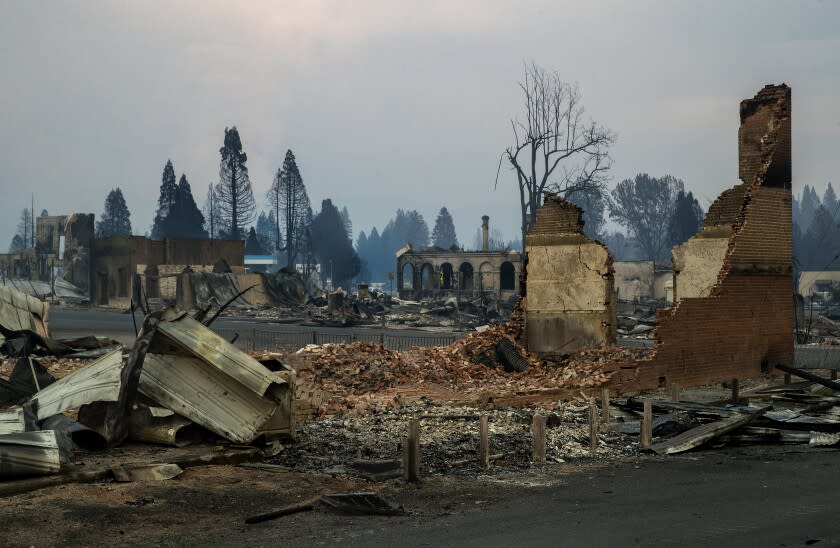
[
  {"x": 570, "y": 296},
  {"x": 744, "y": 326}
]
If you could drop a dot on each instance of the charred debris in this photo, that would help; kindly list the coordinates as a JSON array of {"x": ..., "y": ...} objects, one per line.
[{"x": 539, "y": 380}]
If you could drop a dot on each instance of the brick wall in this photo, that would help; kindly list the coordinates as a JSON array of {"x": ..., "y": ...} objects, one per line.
[{"x": 745, "y": 326}]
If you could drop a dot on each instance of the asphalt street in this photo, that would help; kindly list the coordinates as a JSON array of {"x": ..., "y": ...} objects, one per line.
[{"x": 761, "y": 497}]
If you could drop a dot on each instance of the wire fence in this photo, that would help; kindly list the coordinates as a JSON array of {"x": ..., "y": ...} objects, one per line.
[{"x": 272, "y": 341}]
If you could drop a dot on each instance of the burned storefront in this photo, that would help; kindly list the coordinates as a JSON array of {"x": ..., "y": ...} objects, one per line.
[{"x": 119, "y": 263}]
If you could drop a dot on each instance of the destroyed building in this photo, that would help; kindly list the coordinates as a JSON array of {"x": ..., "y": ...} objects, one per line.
[
  {"x": 434, "y": 272},
  {"x": 733, "y": 281},
  {"x": 62, "y": 249},
  {"x": 157, "y": 263},
  {"x": 637, "y": 281},
  {"x": 570, "y": 293},
  {"x": 733, "y": 289}
]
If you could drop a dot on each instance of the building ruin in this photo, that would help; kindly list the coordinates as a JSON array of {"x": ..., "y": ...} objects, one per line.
[
  {"x": 570, "y": 287},
  {"x": 436, "y": 272},
  {"x": 741, "y": 324},
  {"x": 733, "y": 281}
]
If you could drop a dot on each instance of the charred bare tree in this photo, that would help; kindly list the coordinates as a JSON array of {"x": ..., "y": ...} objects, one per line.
[{"x": 556, "y": 150}]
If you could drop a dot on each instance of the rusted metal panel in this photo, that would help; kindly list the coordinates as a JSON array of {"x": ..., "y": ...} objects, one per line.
[
  {"x": 28, "y": 453},
  {"x": 100, "y": 381}
]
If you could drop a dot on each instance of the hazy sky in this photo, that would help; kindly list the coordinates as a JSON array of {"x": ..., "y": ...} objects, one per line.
[{"x": 390, "y": 104}]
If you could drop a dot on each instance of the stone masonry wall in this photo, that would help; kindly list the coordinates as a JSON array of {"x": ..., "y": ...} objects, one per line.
[{"x": 570, "y": 297}]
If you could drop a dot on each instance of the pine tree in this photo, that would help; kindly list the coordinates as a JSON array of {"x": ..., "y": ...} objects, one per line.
[
  {"x": 443, "y": 235},
  {"x": 185, "y": 220},
  {"x": 166, "y": 202},
  {"x": 333, "y": 249},
  {"x": 211, "y": 213},
  {"x": 417, "y": 231},
  {"x": 265, "y": 230},
  {"x": 116, "y": 218},
  {"x": 235, "y": 195},
  {"x": 348, "y": 224},
  {"x": 829, "y": 201},
  {"x": 26, "y": 229},
  {"x": 17, "y": 244},
  {"x": 808, "y": 207},
  {"x": 252, "y": 244},
  {"x": 686, "y": 219},
  {"x": 290, "y": 204}
]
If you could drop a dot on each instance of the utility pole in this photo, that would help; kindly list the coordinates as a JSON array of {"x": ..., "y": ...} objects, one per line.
[{"x": 32, "y": 215}]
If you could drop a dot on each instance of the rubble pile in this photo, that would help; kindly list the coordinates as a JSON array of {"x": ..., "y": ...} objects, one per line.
[
  {"x": 449, "y": 439},
  {"x": 471, "y": 368}
]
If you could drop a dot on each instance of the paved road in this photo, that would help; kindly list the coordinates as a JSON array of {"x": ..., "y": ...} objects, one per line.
[
  {"x": 782, "y": 497},
  {"x": 75, "y": 322}
]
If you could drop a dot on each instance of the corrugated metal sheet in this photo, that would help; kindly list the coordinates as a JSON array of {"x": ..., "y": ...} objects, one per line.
[
  {"x": 99, "y": 381},
  {"x": 192, "y": 336},
  {"x": 217, "y": 386},
  {"x": 11, "y": 420},
  {"x": 28, "y": 453},
  {"x": 205, "y": 395},
  {"x": 20, "y": 312}
]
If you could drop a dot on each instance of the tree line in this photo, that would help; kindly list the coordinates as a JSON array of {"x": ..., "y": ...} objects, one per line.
[{"x": 816, "y": 232}]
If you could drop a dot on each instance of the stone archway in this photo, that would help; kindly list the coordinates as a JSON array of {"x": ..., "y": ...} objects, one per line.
[
  {"x": 507, "y": 276},
  {"x": 446, "y": 276},
  {"x": 427, "y": 276},
  {"x": 406, "y": 280},
  {"x": 466, "y": 271}
]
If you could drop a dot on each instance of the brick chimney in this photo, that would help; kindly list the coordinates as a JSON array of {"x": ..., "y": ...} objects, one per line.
[{"x": 485, "y": 233}]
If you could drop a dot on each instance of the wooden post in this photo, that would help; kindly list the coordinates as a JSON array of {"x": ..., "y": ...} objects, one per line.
[
  {"x": 734, "y": 390},
  {"x": 646, "y": 426},
  {"x": 411, "y": 452},
  {"x": 538, "y": 439},
  {"x": 834, "y": 374},
  {"x": 605, "y": 405},
  {"x": 593, "y": 427},
  {"x": 787, "y": 378},
  {"x": 484, "y": 442},
  {"x": 675, "y": 392}
]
